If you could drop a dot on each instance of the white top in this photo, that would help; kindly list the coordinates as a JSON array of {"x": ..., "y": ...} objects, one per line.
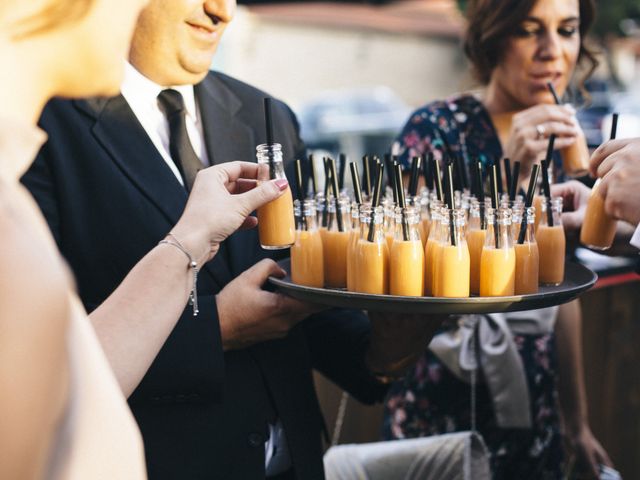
[
  {"x": 142, "y": 96},
  {"x": 103, "y": 440},
  {"x": 635, "y": 240}
]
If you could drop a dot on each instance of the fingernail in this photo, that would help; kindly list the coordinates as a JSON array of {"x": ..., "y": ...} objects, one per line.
[{"x": 282, "y": 183}]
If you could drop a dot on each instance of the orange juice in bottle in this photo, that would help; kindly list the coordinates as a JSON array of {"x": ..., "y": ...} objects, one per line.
[
  {"x": 406, "y": 258},
  {"x": 453, "y": 271},
  {"x": 430, "y": 248},
  {"x": 425, "y": 212},
  {"x": 575, "y": 157},
  {"x": 373, "y": 256},
  {"x": 276, "y": 225},
  {"x": 354, "y": 235},
  {"x": 527, "y": 257},
  {"x": 389, "y": 221},
  {"x": 307, "y": 267},
  {"x": 498, "y": 261},
  {"x": 476, "y": 235},
  {"x": 598, "y": 228},
  {"x": 335, "y": 242},
  {"x": 538, "y": 200},
  {"x": 551, "y": 244}
]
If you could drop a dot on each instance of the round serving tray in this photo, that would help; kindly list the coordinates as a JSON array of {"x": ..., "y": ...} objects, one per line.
[{"x": 578, "y": 279}]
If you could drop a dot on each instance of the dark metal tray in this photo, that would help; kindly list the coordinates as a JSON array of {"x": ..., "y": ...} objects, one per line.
[{"x": 578, "y": 279}]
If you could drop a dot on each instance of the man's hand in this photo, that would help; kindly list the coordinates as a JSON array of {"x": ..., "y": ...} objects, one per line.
[
  {"x": 250, "y": 315},
  {"x": 397, "y": 340},
  {"x": 617, "y": 162},
  {"x": 575, "y": 196}
]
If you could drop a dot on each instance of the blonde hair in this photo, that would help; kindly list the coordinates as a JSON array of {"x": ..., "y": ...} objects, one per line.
[{"x": 56, "y": 13}]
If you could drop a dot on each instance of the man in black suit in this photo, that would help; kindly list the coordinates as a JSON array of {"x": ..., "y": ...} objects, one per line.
[{"x": 230, "y": 394}]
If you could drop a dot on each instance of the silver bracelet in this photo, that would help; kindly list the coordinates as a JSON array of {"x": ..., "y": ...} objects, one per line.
[{"x": 193, "y": 296}]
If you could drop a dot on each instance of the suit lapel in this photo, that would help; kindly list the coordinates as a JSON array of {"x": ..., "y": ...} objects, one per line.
[
  {"x": 227, "y": 138},
  {"x": 120, "y": 133}
]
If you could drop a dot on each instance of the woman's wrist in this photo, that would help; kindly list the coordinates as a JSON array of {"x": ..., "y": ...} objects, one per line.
[{"x": 196, "y": 242}]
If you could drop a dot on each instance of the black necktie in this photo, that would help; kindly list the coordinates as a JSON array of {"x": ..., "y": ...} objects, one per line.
[{"x": 172, "y": 105}]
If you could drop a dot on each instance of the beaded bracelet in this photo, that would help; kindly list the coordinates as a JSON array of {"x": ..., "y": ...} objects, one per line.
[{"x": 193, "y": 296}]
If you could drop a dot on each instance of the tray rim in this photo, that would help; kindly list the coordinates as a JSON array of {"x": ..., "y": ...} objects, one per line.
[{"x": 338, "y": 297}]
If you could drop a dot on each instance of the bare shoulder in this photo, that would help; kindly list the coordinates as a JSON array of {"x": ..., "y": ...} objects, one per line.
[{"x": 33, "y": 284}]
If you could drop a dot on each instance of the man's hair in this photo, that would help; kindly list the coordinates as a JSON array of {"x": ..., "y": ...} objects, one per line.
[
  {"x": 492, "y": 23},
  {"x": 56, "y": 13}
]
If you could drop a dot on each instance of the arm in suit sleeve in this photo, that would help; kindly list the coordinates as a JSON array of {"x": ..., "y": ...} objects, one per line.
[
  {"x": 101, "y": 260},
  {"x": 338, "y": 340}
]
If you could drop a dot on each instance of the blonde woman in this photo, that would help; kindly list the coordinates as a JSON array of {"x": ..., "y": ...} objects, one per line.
[{"x": 63, "y": 413}]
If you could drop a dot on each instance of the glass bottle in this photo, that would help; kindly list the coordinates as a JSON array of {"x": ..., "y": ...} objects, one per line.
[
  {"x": 307, "y": 266},
  {"x": 354, "y": 236},
  {"x": 373, "y": 255},
  {"x": 276, "y": 226},
  {"x": 406, "y": 258},
  {"x": 432, "y": 246},
  {"x": 598, "y": 229},
  {"x": 453, "y": 271},
  {"x": 335, "y": 241},
  {"x": 476, "y": 236},
  {"x": 389, "y": 221},
  {"x": 498, "y": 261},
  {"x": 527, "y": 256},
  {"x": 551, "y": 243}
]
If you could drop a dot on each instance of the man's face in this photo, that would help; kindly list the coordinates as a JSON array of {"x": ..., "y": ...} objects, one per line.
[{"x": 175, "y": 40}]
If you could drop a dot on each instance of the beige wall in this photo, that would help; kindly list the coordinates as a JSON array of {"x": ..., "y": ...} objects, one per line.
[{"x": 296, "y": 63}]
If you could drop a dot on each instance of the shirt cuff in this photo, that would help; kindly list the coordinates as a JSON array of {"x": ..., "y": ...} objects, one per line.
[{"x": 635, "y": 240}]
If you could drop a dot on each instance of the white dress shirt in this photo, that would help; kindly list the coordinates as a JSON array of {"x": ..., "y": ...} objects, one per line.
[{"x": 142, "y": 96}]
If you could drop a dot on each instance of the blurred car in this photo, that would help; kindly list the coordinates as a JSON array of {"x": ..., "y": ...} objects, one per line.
[{"x": 353, "y": 121}]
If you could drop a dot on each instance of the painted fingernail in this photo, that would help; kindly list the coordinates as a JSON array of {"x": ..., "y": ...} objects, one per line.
[{"x": 282, "y": 183}]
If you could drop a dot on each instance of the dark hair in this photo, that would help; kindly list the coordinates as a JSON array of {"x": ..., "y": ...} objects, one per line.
[
  {"x": 491, "y": 23},
  {"x": 55, "y": 13}
]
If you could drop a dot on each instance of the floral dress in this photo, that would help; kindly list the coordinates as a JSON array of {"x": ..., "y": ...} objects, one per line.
[{"x": 430, "y": 400}]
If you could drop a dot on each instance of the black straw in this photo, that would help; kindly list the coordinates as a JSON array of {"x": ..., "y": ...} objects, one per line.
[
  {"x": 494, "y": 201},
  {"x": 426, "y": 171},
  {"x": 515, "y": 180},
  {"x": 452, "y": 227},
  {"x": 533, "y": 180},
  {"x": 507, "y": 173},
  {"x": 300, "y": 193},
  {"x": 366, "y": 180},
  {"x": 269, "y": 128},
  {"x": 394, "y": 188},
  {"x": 300, "y": 190},
  {"x": 327, "y": 183},
  {"x": 402, "y": 201},
  {"x": 312, "y": 175},
  {"x": 545, "y": 178},
  {"x": 388, "y": 167},
  {"x": 376, "y": 199},
  {"x": 553, "y": 92},
  {"x": 353, "y": 166},
  {"x": 498, "y": 177},
  {"x": 342, "y": 168},
  {"x": 413, "y": 182},
  {"x": 437, "y": 179},
  {"x": 614, "y": 126},
  {"x": 336, "y": 193},
  {"x": 480, "y": 192}
]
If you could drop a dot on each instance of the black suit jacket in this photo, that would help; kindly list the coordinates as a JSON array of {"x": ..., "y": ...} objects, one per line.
[{"x": 109, "y": 198}]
